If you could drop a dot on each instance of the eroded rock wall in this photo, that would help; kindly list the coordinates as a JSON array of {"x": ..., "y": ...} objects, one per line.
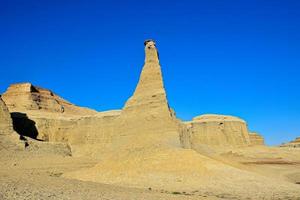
[
  {"x": 40, "y": 114},
  {"x": 8, "y": 138},
  {"x": 5, "y": 119},
  {"x": 216, "y": 130}
]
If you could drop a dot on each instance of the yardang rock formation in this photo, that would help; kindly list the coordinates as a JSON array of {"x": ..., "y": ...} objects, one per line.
[
  {"x": 146, "y": 148},
  {"x": 147, "y": 113},
  {"x": 149, "y": 105},
  {"x": 146, "y": 116},
  {"x": 145, "y": 145}
]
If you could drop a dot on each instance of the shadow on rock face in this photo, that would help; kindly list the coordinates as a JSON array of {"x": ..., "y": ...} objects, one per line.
[{"x": 24, "y": 126}]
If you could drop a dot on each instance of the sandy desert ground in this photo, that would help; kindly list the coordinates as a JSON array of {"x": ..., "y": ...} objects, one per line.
[
  {"x": 28, "y": 175},
  {"x": 39, "y": 175}
]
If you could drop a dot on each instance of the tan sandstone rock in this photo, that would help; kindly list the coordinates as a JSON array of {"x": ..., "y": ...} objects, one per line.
[
  {"x": 145, "y": 150},
  {"x": 25, "y": 97},
  {"x": 145, "y": 134},
  {"x": 216, "y": 130},
  {"x": 256, "y": 139},
  {"x": 145, "y": 122},
  {"x": 147, "y": 113},
  {"x": 41, "y": 114},
  {"x": 8, "y": 138},
  {"x": 294, "y": 144},
  {"x": 5, "y": 119},
  {"x": 11, "y": 140}
]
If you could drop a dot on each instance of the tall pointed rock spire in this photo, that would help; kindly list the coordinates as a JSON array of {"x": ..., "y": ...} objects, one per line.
[
  {"x": 148, "y": 109},
  {"x": 150, "y": 92}
]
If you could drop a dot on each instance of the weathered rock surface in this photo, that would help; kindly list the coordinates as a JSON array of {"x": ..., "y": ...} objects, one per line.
[
  {"x": 295, "y": 143},
  {"x": 11, "y": 140},
  {"x": 8, "y": 138},
  {"x": 145, "y": 122},
  {"x": 146, "y": 151},
  {"x": 145, "y": 134},
  {"x": 215, "y": 130},
  {"x": 90, "y": 129},
  {"x": 5, "y": 119},
  {"x": 40, "y": 114},
  {"x": 145, "y": 118},
  {"x": 256, "y": 139}
]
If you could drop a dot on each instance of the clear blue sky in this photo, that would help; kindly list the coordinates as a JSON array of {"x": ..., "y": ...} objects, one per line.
[{"x": 229, "y": 57}]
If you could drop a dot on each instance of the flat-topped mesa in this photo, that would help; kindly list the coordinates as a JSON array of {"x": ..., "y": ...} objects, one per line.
[
  {"x": 148, "y": 109},
  {"x": 216, "y": 130},
  {"x": 25, "y": 97}
]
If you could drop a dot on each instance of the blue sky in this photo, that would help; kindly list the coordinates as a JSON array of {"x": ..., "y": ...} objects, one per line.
[{"x": 236, "y": 57}]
